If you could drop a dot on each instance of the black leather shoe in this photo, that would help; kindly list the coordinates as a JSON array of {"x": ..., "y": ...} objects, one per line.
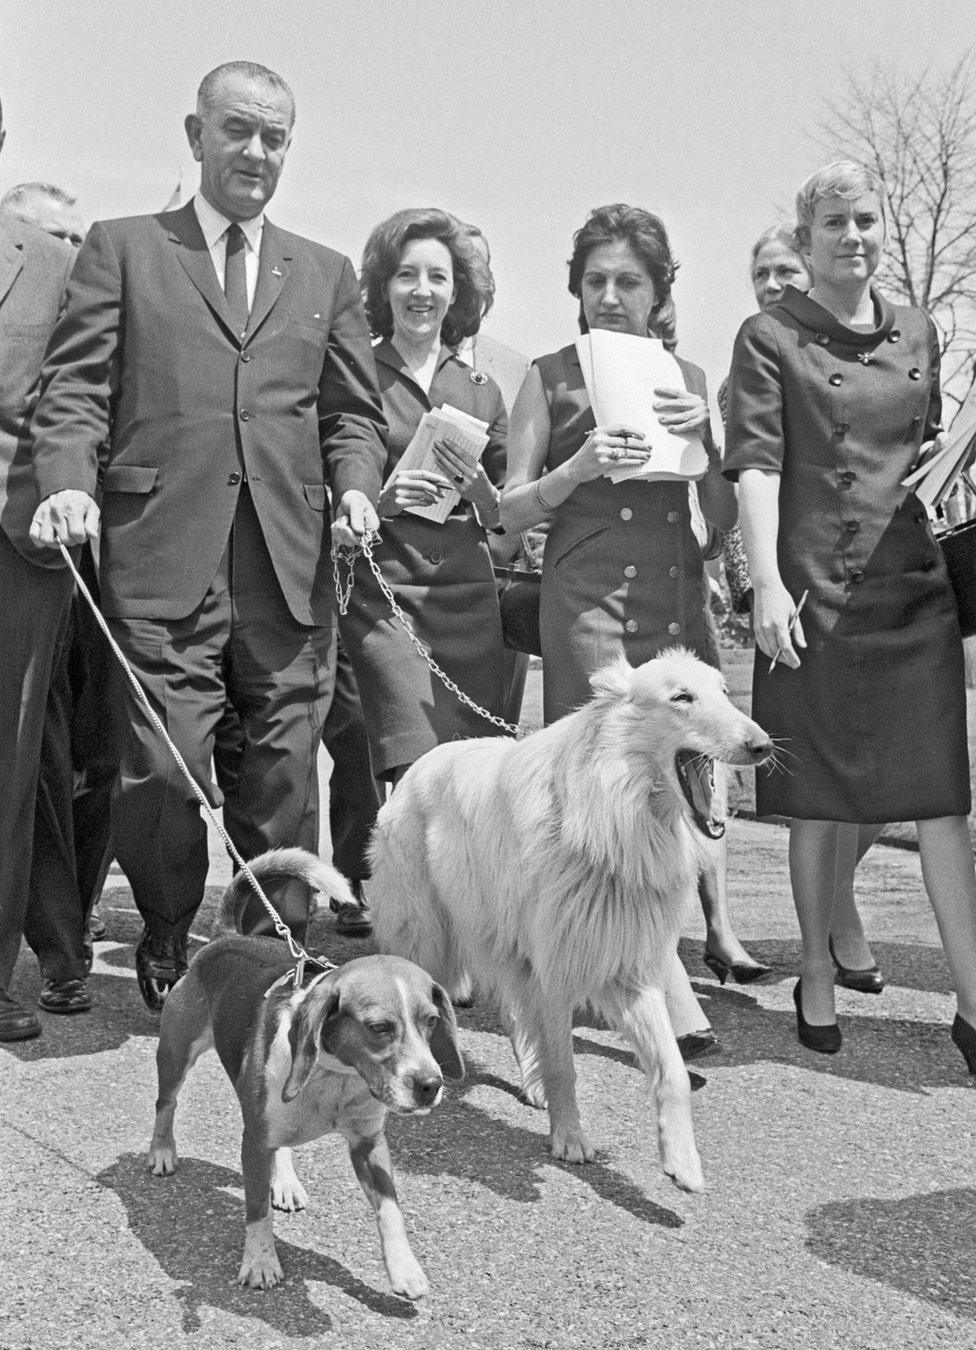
[
  {"x": 352, "y": 920},
  {"x": 160, "y": 963},
  {"x": 863, "y": 980},
  {"x": 826, "y": 1039},
  {"x": 17, "y": 1023},
  {"x": 964, "y": 1039},
  {"x": 64, "y": 996},
  {"x": 698, "y": 1043}
]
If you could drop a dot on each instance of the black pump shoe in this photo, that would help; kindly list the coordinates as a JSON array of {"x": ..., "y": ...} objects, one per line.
[
  {"x": 964, "y": 1037},
  {"x": 697, "y": 1043},
  {"x": 863, "y": 980},
  {"x": 742, "y": 972},
  {"x": 826, "y": 1040}
]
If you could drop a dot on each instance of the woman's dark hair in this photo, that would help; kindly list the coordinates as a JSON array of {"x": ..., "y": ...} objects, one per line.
[
  {"x": 646, "y": 235},
  {"x": 475, "y": 288}
]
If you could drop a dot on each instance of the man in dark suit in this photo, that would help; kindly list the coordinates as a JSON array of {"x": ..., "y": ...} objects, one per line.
[
  {"x": 36, "y": 591},
  {"x": 213, "y": 374}
]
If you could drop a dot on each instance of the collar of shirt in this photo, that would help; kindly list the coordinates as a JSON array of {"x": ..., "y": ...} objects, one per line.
[{"x": 214, "y": 227}]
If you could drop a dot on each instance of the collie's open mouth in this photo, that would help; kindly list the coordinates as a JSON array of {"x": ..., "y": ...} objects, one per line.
[{"x": 696, "y": 776}]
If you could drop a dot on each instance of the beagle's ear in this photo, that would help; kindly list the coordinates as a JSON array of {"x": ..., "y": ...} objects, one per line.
[
  {"x": 443, "y": 1042},
  {"x": 318, "y": 1009}
]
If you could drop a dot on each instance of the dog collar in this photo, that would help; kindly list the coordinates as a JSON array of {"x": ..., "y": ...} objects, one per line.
[{"x": 298, "y": 975}]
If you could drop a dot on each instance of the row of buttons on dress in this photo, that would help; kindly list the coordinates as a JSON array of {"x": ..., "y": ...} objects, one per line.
[{"x": 630, "y": 571}]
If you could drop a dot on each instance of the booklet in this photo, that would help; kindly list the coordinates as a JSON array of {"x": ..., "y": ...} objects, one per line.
[
  {"x": 465, "y": 432},
  {"x": 949, "y": 455},
  {"x": 621, "y": 372}
]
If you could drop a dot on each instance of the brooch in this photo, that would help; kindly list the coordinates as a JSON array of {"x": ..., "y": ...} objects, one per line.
[
  {"x": 864, "y": 358},
  {"x": 478, "y": 377}
]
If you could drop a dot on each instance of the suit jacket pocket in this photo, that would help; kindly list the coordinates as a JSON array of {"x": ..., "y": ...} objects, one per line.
[
  {"x": 315, "y": 495},
  {"x": 139, "y": 478}
]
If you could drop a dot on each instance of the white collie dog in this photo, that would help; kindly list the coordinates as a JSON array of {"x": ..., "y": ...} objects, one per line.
[{"x": 558, "y": 870}]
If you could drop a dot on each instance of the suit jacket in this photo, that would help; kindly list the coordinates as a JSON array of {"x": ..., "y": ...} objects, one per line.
[
  {"x": 150, "y": 393},
  {"x": 34, "y": 268}
]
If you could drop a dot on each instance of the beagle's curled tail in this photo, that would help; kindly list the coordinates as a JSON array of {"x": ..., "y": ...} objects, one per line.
[{"x": 279, "y": 864}]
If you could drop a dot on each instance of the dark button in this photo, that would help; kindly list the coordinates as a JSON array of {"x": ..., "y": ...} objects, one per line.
[
  {"x": 630, "y": 571},
  {"x": 674, "y": 629},
  {"x": 847, "y": 477},
  {"x": 823, "y": 339},
  {"x": 245, "y": 356},
  {"x": 437, "y": 557},
  {"x": 920, "y": 516},
  {"x": 856, "y": 575},
  {"x": 852, "y": 526},
  {"x": 914, "y": 373},
  {"x": 631, "y": 626},
  {"x": 672, "y": 571},
  {"x": 836, "y": 379},
  {"x": 233, "y": 480},
  {"x": 626, "y": 513},
  {"x": 894, "y": 335},
  {"x": 245, "y": 415},
  {"x": 841, "y": 428},
  {"x": 672, "y": 517}
]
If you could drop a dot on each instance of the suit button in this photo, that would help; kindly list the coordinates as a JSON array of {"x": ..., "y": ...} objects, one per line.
[
  {"x": 436, "y": 557},
  {"x": 672, "y": 517},
  {"x": 630, "y": 571},
  {"x": 245, "y": 356},
  {"x": 856, "y": 575},
  {"x": 631, "y": 625},
  {"x": 672, "y": 572},
  {"x": 822, "y": 338},
  {"x": 914, "y": 373},
  {"x": 233, "y": 480},
  {"x": 244, "y": 415},
  {"x": 894, "y": 335},
  {"x": 836, "y": 379},
  {"x": 674, "y": 629},
  {"x": 626, "y": 513},
  {"x": 841, "y": 428},
  {"x": 851, "y": 526},
  {"x": 847, "y": 478}
]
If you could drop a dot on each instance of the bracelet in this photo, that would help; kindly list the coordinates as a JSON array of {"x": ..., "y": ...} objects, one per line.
[{"x": 549, "y": 510}]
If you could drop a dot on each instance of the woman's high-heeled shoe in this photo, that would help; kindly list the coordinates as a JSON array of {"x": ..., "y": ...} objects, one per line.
[
  {"x": 742, "y": 972},
  {"x": 863, "y": 979},
  {"x": 826, "y": 1040},
  {"x": 964, "y": 1037}
]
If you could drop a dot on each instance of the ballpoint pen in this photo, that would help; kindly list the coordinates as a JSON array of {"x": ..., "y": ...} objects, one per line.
[{"x": 793, "y": 619}]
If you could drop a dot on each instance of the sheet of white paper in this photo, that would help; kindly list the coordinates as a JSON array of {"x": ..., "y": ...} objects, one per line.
[
  {"x": 621, "y": 373},
  {"x": 466, "y": 432}
]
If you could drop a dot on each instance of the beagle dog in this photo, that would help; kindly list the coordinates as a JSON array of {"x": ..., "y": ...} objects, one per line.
[{"x": 372, "y": 1036}]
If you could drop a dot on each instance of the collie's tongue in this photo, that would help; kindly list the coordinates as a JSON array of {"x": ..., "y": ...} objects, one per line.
[{"x": 695, "y": 776}]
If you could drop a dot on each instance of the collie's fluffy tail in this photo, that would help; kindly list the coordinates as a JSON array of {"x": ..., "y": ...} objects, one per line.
[{"x": 279, "y": 864}]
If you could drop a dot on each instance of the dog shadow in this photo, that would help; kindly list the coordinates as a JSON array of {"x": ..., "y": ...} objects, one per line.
[
  {"x": 192, "y": 1226},
  {"x": 872, "y": 1238},
  {"x": 463, "y": 1140}
]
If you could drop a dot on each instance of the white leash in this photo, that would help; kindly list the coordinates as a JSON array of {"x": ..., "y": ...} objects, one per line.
[{"x": 297, "y": 951}]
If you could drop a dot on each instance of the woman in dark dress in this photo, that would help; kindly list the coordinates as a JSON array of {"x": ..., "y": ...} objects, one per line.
[
  {"x": 831, "y": 396},
  {"x": 426, "y": 288},
  {"x": 622, "y": 570}
]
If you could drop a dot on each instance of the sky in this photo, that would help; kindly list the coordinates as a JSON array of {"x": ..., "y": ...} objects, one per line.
[{"x": 519, "y": 115}]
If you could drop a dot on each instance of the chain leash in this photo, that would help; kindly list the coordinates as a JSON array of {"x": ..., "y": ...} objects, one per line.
[
  {"x": 298, "y": 952},
  {"x": 344, "y": 556}
]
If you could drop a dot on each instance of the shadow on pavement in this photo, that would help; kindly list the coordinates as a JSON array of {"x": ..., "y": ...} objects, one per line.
[
  {"x": 921, "y": 1245},
  {"x": 462, "y": 1140},
  {"x": 194, "y": 1229}
]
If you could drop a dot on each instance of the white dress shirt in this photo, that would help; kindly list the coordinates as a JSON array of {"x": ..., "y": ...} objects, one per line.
[{"x": 214, "y": 227}]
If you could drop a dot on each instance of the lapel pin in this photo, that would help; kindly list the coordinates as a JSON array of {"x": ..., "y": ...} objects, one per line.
[
  {"x": 276, "y": 271},
  {"x": 478, "y": 377},
  {"x": 316, "y": 316}
]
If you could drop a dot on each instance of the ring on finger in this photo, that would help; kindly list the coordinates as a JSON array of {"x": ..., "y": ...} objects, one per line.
[
  {"x": 458, "y": 477},
  {"x": 616, "y": 453}
]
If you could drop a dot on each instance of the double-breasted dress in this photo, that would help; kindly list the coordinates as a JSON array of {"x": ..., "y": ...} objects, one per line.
[
  {"x": 622, "y": 570},
  {"x": 873, "y": 723},
  {"x": 441, "y": 576}
]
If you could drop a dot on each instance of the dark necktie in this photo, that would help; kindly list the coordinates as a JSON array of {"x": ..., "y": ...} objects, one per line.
[{"x": 235, "y": 277}]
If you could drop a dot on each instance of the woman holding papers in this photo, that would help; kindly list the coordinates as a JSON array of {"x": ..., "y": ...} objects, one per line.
[
  {"x": 623, "y": 569},
  {"x": 831, "y": 396},
  {"x": 426, "y": 288}
]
